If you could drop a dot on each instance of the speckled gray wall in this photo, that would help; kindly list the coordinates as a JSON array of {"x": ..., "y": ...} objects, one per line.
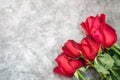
[{"x": 33, "y": 31}]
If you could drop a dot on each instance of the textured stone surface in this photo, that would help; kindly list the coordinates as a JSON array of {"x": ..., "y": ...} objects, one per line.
[{"x": 33, "y": 31}]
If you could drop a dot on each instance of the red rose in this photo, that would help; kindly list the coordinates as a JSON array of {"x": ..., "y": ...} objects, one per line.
[
  {"x": 71, "y": 48},
  {"x": 66, "y": 66},
  {"x": 89, "y": 48},
  {"x": 100, "y": 30}
]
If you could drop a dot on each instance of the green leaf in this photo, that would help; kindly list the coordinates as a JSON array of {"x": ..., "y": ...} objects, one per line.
[
  {"x": 117, "y": 68},
  {"x": 83, "y": 69},
  {"x": 109, "y": 78},
  {"x": 79, "y": 75},
  {"x": 103, "y": 62},
  {"x": 76, "y": 75},
  {"x": 100, "y": 68},
  {"x": 116, "y": 59},
  {"x": 118, "y": 78},
  {"x": 106, "y": 60},
  {"x": 95, "y": 79}
]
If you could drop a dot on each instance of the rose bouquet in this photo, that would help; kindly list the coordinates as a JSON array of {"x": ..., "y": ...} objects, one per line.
[{"x": 98, "y": 50}]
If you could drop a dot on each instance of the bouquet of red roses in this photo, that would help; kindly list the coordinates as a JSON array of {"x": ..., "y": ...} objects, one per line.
[{"x": 98, "y": 50}]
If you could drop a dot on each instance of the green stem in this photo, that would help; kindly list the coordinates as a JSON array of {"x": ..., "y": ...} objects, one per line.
[
  {"x": 117, "y": 51},
  {"x": 80, "y": 75},
  {"x": 89, "y": 63},
  {"x": 85, "y": 59},
  {"x": 116, "y": 45},
  {"x": 113, "y": 72},
  {"x": 102, "y": 75}
]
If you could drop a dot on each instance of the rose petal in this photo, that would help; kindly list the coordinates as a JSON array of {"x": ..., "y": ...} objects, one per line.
[
  {"x": 71, "y": 49},
  {"x": 110, "y": 35},
  {"x": 61, "y": 72},
  {"x": 83, "y": 25},
  {"x": 63, "y": 61},
  {"x": 76, "y": 64},
  {"x": 102, "y": 18}
]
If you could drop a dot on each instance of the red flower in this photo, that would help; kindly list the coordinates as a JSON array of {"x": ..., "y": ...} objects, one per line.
[
  {"x": 66, "y": 66},
  {"x": 89, "y": 48},
  {"x": 71, "y": 48},
  {"x": 99, "y": 30}
]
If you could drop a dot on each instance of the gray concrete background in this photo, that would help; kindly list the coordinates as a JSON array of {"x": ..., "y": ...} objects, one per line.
[{"x": 33, "y": 31}]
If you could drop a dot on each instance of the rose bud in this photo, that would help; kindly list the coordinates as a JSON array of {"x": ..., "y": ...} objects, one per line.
[
  {"x": 89, "y": 48},
  {"x": 71, "y": 48},
  {"x": 66, "y": 66},
  {"x": 97, "y": 28}
]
